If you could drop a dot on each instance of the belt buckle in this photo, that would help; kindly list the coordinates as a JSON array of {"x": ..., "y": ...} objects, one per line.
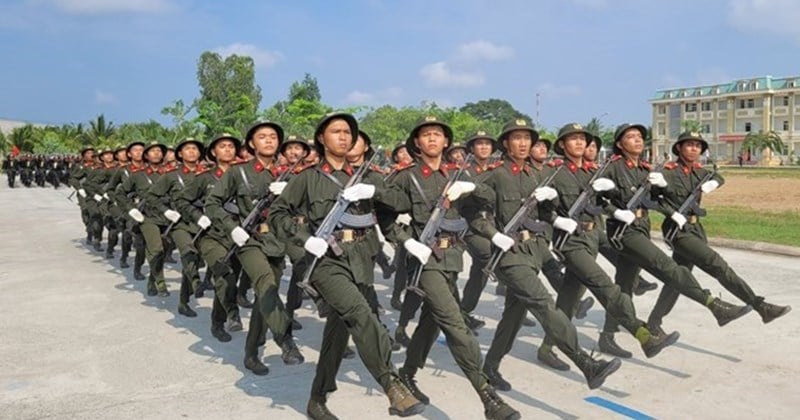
[
  {"x": 348, "y": 235},
  {"x": 444, "y": 243},
  {"x": 588, "y": 226},
  {"x": 524, "y": 235},
  {"x": 693, "y": 219},
  {"x": 263, "y": 228},
  {"x": 639, "y": 213}
]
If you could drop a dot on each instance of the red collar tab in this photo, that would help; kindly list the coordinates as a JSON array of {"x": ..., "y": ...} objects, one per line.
[
  {"x": 555, "y": 163},
  {"x": 426, "y": 170},
  {"x": 571, "y": 166},
  {"x": 186, "y": 169},
  {"x": 149, "y": 171},
  {"x": 257, "y": 166},
  {"x": 588, "y": 166},
  {"x": 218, "y": 173}
]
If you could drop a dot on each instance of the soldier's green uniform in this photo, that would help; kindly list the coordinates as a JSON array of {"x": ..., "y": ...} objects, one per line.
[
  {"x": 94, "y": 185},
  {"x": 161, "y": 197},
  {"x": 77, "y": 176},
  {"x": 341, "y": 280},
  {"x": 213, "y": 244},
  {"x": 261, "y": 256},
  {"x": 123, "y": 224},
  {"x": 154, "y": 222},
  {"x": 690, "y": 244},
  {"x": 638, "y": 251}
]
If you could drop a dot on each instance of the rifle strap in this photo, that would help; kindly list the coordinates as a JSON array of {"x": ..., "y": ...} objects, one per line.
[
  {"x": 421, "y": 191},
  {"x": 331, "y": 177},
  {"x": 180, "y": 181},
  {"x": 245, "y": 180}
]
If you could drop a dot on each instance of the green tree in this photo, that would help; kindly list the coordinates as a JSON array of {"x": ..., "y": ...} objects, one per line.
[
  {"x": 229, "y": 97},
  {"x": 764, "y": 142},
  {"x": 5, "y": 146},
  {"x": 306, "y": 89},
  {"x": 183, "y": 127},
  {"x": 100, "y": 133},
  {"x": 22, "y": 137},
  {"x": 693, "y": 126},
  {"x": 496, "y": 111}
]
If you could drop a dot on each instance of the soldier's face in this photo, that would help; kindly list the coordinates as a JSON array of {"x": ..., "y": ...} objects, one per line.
[
  {"x": 293, "y": 152},
  {"x": 402, "y": 155},
  {"x": 574, "y": 145},
  {"x": 155, "y": 155},
  {"x": 170, "y": 156},
  {"x": 136, "y": 152},
  {"x": 265, "y": 142},
  {"x": 122, "y": 156},
  {"x": 690, "y": 150},
  {"x": 190, "y": 153},
  {"x": 632, "y": 142},
  {"x": 539, "y": 151},
  {"x": 224, "y": 151},
  {"x": 518, "y": 144},
  {"x": 337, "y": 138},
  {"x": 431, "y": 140},
  {"x": 107, "y": 158},
  {"x": 590, "y": 153},
  {"x": 456, "y": 156},
  {"x": 482, "y": 149},
  {"x": 89, "y": 156},
  {"x": 357, "y": 152},
  {"x": 312, "y": 158}
]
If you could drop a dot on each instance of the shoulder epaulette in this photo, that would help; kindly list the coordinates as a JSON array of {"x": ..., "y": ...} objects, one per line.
[
  {"x": 495, "y": 165},
  {"x": 166, "y": 169},
  {"x": 404, "y": 166},
  {"x": 671, "y": 165},
  {"x": 645, "y": 164},
  {"x": 451, "y": 166},
  {"x": 134, "y": 169},
  {"x": 616, "y": 158},
  {"x": 555, "y": 163},
  {"x": 301, "y": 168},
  {"x": 375, "y": 168},
  {"x": 201, "y": 169},
  {"x": 698, "y": 165}
]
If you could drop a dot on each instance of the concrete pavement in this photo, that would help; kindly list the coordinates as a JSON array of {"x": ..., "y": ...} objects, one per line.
[{"x": 80, "y": 339}]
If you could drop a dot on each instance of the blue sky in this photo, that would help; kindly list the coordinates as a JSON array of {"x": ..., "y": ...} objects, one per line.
[{"x": 70, "y": 60}]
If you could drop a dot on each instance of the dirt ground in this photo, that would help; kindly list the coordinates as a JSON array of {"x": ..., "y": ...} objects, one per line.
[{"x": 758, "y": 193}]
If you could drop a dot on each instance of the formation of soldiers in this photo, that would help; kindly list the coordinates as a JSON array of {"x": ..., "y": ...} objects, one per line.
[
  {"x": 241, "y": 207},
  {"x": 38, "y": 170}
]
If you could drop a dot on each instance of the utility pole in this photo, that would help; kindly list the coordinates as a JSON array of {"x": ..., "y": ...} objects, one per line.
[{"x": 537, "y": 110}]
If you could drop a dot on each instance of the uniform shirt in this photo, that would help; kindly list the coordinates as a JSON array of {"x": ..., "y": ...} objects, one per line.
[
  {"x": 628, "y": 177},
  {"x": 164, "y": 192},
  {"x": 191, "y": 201},
  {"x": 135, "y": 186},
  {"x": 682, "y": 179}
]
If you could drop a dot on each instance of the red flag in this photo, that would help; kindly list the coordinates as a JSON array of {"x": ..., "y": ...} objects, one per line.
[{"x": 15, "y": 151}]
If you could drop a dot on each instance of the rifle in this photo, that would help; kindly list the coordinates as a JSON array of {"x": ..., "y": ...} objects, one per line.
[
  {"x": 639, "y": 199},
  {"x": 435, "y": 223},
  {"x": 329, "y": 223},
  {"x": 69, "y": 197},
  {"x": 516, "y": 221},
  {"x": 581, "y": 203},
  {"x": 690, "y": 204},
  {"x": 249, "y": 224}
]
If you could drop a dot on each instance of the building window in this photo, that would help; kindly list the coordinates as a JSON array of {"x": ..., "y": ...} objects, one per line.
[
  {"x": 785, "y": 101},
  {"x": 785, "y": 125},
  {"x": 722, "y": 105},
  {"x": 706, "y": 128},
  {"x": 747, "y": 127},
  {"x": 705, "y": 106},
  {"x": 747, "y": 103},
  {"x": 661, "y": 129},
  {"x": 662, "y": 110},
  {"x": 691, "y": 107}
]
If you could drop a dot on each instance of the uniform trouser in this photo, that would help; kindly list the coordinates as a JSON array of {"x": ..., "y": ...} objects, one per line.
[
  {"x": 553, "y": 270},
  {"x": 691, "y": 249},
  {"x": 112, "y": 224},
  {"x": 611, "y": 254},
  {"x": 441, "y": 310},
  {"x": 294, "y": 295},
  {"x": 401, "y": 272},
  {"x": 224, "y": 306},
  {"x": 480, "y": 250},
  {"x": 127, "y": 237},
  {"x": 411, "y": 300},
  {"x": 245, "y": 283},
  {"x": 351, "y": 315},
  {"x": 190, "y": 259},
  {"x": 154, "y": 250},
  {"x": 11, "y": 176},
  {"x": 268, "y": 310}
]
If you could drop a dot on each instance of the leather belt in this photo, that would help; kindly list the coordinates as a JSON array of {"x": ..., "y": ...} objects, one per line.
[
  {"x": 446, "y": 240},
  {"x": 349, "y": 235},
  {"x": 640, "y": 212},
  {"x": 523, "y": 235}
]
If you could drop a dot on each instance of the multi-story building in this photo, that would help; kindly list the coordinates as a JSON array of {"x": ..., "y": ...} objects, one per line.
[{"x": 728, "y": 112}]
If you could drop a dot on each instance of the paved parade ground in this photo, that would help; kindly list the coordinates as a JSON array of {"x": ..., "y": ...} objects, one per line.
[{"x": 80, "y": 339}]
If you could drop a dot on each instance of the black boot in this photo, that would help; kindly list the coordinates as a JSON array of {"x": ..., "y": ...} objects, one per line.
[
  {"x": 769, "y": 311},
  {"x": 549, "y": 358},
  {"x": 473, "y": 323},
  {"x": 494, "y": 407},
  {"x": 659, "y": 341},
  {"x": 185, "y": 310},
  {"x": 583, "y": 307},
  {"x": 235, "y": 323},
  {"x": 396, "y": 304},
  {"x": 137, "y": 273},
  {"x": 242, "y": 301},
  {"x": 296, "y": 325},
  {"x": 218, "y": 331},
  {"x": 317, "y": 410},
  {"x": 109, "y": 254},
  {"x": 496, "y": 379},
  {"x": 607, "y": 345},
  {"x": 528, "y": 322},
  {"x": 290, "y": 353},
  {"x": 96, "y": 246},
  {"x": 349, "y": 353},
  {"x": 123, "y": 261},
  {"x": 407, "y": 377},
  {"x": 253, "y": 364},
  {"x": 596, "y": 371},
  {"x": 643, "y": 286},
  {"x": 401, "y": 337},
  {"x": 726, "y": 312}
]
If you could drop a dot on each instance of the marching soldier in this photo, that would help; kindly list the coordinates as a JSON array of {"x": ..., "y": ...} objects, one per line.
[
  {"x": 131, "y": 160},
  {"x": 94, "y": 186},
  {"x": 340, "y": 280},
  {"x": 76, "y": 179},
  {"x": 690, "y": 244}
]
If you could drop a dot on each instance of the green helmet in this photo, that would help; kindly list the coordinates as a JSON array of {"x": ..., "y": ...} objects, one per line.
[{"x": 566, "y": 130}]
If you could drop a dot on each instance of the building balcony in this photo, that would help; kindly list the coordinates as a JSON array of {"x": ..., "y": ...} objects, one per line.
[
  {"x": 780, "y": 110},
  {"x": 706, "y": 115}
]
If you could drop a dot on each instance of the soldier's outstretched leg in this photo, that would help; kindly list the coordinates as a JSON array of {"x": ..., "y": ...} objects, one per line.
[{"x": 154, "y": 247}]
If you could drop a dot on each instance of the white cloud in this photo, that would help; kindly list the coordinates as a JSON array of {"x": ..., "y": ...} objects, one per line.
[
  {"x": 99, "y": 7},
  {"x": 553, "y": 91},
  {"x": 262, "y": 58},
  {"x": 104, "y": 98},
  {"x": 484, "y": 50},
  {"x": 779, "y": 17},
  {"x": 358, "y": 97},
  {"x": 439, "y": 74}
]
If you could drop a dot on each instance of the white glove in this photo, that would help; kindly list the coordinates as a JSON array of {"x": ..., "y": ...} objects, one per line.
[
  {"x": 204, "y": 222},
  {"x": 316, "y": 246},
  {"x": 105, "y": 195},
  {"x": 82, "y": 192},
  {"x": 239, "y": 236},
  {"x": 404, "y": 219},
  {"x": 679, "y": 219},
  {"x": 358, "y": 192},
  {"x": 277, "y": 187},
  {"x": 545, "y": 194},
  {"x": 458, "y": 189},
  {"x": 709, "y": 186},
  {"x": 172, "y": 215},
  {"x": 566, "y": 224},
  {"x": 136, "y": 215},
  {"x": 502, "y": 241},
  {"x": 419, "y": 250},
  {"x": 98, "y": 198},
  {"x": 657, "y": 179},
  {"x": 603, "y": 184},
  {"x": 625, "y": 216}
]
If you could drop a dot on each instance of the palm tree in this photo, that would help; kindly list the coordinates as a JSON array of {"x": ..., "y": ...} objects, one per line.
[
  {"x": 100, "y": 132},
  {"x": 22, "y": 137},
  {"x": 765, "y": 143}
]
